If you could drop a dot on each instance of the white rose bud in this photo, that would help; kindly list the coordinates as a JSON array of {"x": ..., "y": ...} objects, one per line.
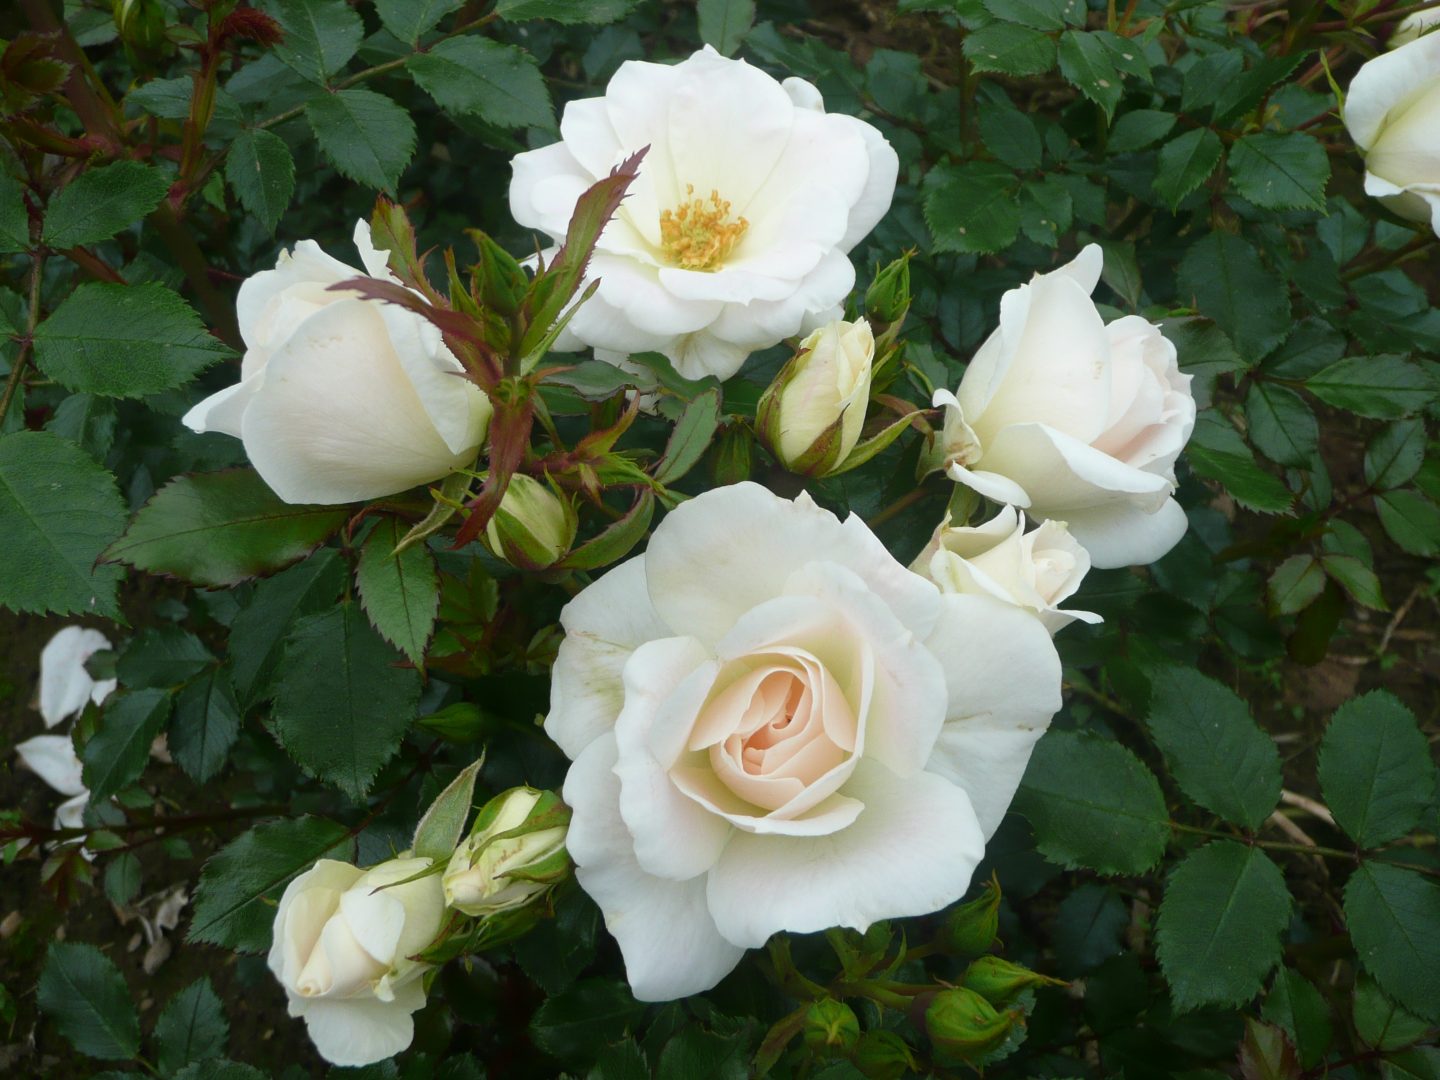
[
  {"x": 1037, "y": 570},
  {"x": 343, "y": 948},
  {"x": 1392, "y": 111},
  {"x": 342, "y": 398},
  {"x": 1412, "y": 26},
  {"x": 812, "y": 413},
  {"x": 533, "y": 527},
  {"x": 1067, "y": 417},
  {"x": 513, "y": 854}
]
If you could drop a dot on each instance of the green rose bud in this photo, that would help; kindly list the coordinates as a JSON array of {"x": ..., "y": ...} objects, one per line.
[
  {"x": 998, "y": 980},
  {"x": 831, "y": 1027},
  {"x": 515, "y": 852},
  {"x": 963, "y": 1024},
  {"x": 140, "y": 23},
  {"x": 888, "y": 297},
  {"x": 970, "y": 929},
  {"x": 883, "y": 1055},
  {"x": 534, "y": 526}
]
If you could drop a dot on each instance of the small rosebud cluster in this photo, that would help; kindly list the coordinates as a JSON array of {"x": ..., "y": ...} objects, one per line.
[{"x": 515, "y": 852}]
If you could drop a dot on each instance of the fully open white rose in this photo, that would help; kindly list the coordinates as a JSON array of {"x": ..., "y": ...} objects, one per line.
[
  {"x": 776, "y": 726},
  {"x": 1392, "y": 111},
  {"x": 342, "y": 947},
  {"x": 342, "y": 398},
  {"x": 1070, "y": 418},
  {"x": 1038, "y": 570},
  {"x": 736, "y": 232}
]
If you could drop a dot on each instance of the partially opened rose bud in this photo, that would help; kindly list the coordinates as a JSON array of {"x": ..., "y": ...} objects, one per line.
[
  {"x": 515, "y": 851},
  {"x": 830, "y": 1027},
  {"x": 1413, "y": 25},
  {"x": 811, "y": 415},
  {"x": 971, "y": 927},
  {"x": 998, "y": 980},
  {"x": 888, "y": 297},
  {"x": 963, "y": 1024},
  {"x": 534, "y": 526}
]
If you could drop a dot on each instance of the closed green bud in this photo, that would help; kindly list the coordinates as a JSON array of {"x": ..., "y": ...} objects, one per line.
[
  {"x": 731, "y": 461},
  {"x": 515, "y": 852},
  {"x": 888, "y": 297},
  {"x": 970, "y": 929},
  {"x": 502, "y": 279},
  {"x": 963, "y": 1024},
  {"x": 883, "y": 1055},
  {"x": 140, "y": 23},
  {"x": 831, "y": 1027},
  {"x": 998, "y": 980},
  {"x": 534, "y": 525}
]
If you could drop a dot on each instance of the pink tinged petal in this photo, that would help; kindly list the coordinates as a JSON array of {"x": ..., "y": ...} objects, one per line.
[
  {"x": 1003, "y": 679},
  {"x": 666, "y": 683},
  {"x": 65, "y": 685},
  {"x": 1063, "y": 475},
  {"x": 52, "y": 758},
  {"x": 873, "y": 202},
  {"x": 1386, "y": 85},
  {"x": 911, "y": 851},
  {"x": 361, "y": 1031},
  {"x": 604, "y": 624},
  {"x": 665, "y": 933},
  {"x": 338, "y": 420},
  {"x": 1128, "y": 535},
  {"x": 724, "y": 552},
  {"x": 826, "y": 816}
]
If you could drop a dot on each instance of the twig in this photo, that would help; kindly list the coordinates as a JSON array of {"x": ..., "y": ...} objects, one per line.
[
  {"x": 1309, "y": 805},
  {"x": 32, "y": 319}
]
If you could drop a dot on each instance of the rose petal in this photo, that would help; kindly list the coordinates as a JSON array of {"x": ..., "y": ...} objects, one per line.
[
  {"x": 65, "y": 685},
  {"x": 361, "y": 1031},
  {"x": 1126, "y": 534}
]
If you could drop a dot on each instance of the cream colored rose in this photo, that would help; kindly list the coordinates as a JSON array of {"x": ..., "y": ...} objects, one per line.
[
  {"x": 342, "y": 950},
  {"x": 1067, "y": 417},
  {"x": 342, "y": 398},
  {"x": 1392, "y": 111},
  {"x": 1413, "y": 25},
  {"x": 818, "y": 401},
  {"x": 1037, "y": 570}
]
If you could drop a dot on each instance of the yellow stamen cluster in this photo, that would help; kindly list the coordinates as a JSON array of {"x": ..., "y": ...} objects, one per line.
[{"x": 699, "y": 234}]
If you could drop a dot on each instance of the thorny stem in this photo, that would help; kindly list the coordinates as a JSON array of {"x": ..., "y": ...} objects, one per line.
[
  {"x": 1298, "y": 849},
  {"x": 32, "y": 319}
]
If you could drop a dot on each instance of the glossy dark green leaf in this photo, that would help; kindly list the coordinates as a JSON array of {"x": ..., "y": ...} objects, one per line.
[
  {"x": 1185, "y": 163},
  {"x": 1375, "y": 769},
  {"x": 116, "y": 754},
  {"x": 1296, "y": 584},
  {"x": 262, "y": 172},
  {"x": 1296, "y": 1006},
  {"x": 85, "y": 996},
  {"x": 401, "y": 594},
  {"x": 1411, "y": 519},
  {"x": 192, "y": 1028},
  {"x": 1009, "y": 49},
  {"x": 365, "y": 135},
  {"x": 1384, "y": 387},
  {"x": 320, "y": 36},
  {"x": 1217, "y": 452},
  {"x": 574, "y": 1025},
  {"x": 1280, "y": 171},
  {"x": 408, "y": 19},
  {"x": 724, "y": 23},
  {"x": 205, "y": 725},
  {"x": 1394, "y": 920},
  {"x": 1223, "y": 276},
  {"x": 101, "y": 202},
  {"x": 1282, "y": 426},
  {"x": 257, "y": 636},
  {"x": 475, "y": 76},
  {"x": 971, "y": 207}
]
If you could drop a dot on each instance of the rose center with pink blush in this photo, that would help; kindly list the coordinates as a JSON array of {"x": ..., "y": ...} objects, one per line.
[{"x": 776, "y": 729}]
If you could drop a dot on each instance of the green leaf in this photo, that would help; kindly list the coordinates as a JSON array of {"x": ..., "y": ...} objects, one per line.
[
  {"x": 692, "y": 435},
  {"x": 1093, "y": 804},
  {"x": 1355, "y": 578},
  {"x": 697, "y": 1054},
  {"x": 124, "y": 341},
  {"x": 1280, "y": 171},
  {"x": 621, "y": 1061},
  {"x": 1138, "y": 129},
  {"x": 1375, "y": 769},
  {"x": 1421, "y": 1063},
  {"x": 101, "y": 202},
  {"x": 408, "y": 19},
  {"x": 240, "y": 885},
  {"x": 14, "y": 217},
  {"x": 1225, "y": 278},
  {"x": 1384, "y": 387},
  {"x": 262, "y": 172},
  {"x": 442, "y": 825},
  {"x": 1009, "y": 50},
  {"x": 1412, "y": 521},
  {"x": 1296, "y": 584},
  {"x": 724, "y": 23},
  {"x": 220, "y": 1070},
  {"x": 1088, "y": 928},
  {"x": 401, "y": 593},
  {"x": 86, "y": 996},
  {"x": 1216, "y": 753},
  {"x": 568, "y": 12},
  {"x": 320, "y": 36},
  {"x": 1395, "y": 455},
  {"x": 1185, "y": 163},
  {"x": 117, "y": 753},
  {"x": 341, "y": 705},
  {"x": 1088, "y": 65},
  {"x": 1038, "y": 14},
  {"x": 1010, "y": 135},
  {"x": 219, "y": 529},
  {"x": 257, "y": 636},
  {"x": 192, "y": 1028},
  {"x": 1217, "y": 452},
  {"x": 122, "y": 878},
  {"x": 162, "y": 657},
  {"x": 971, "y": 207},
  {"x": 575, "y": 1024},
  {"x": 1394, "y": 920},
  {"x": 205, "y": 726},
  {"x": 1281, "y": 425},
  {"x": 1218, "y": 930},
  {"x": 86, "y": 420},
  {"x": 475, "y": 76},
  {"x": 1380, "y": 1022},
  {"x": 1294, "y": 1005},
  {"x": 365, "y": 135},
  {"x": 51, "y": 545}
]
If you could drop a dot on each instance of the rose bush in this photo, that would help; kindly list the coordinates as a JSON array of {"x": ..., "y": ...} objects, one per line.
[{"x": 776, "y": 726}]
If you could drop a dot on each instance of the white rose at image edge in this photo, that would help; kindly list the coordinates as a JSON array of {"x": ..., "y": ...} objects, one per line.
[
  {"x": 1067, "y": 417},
  {"x": 808, "y": 184},
  {"x": 1392, "y": 111},
  {"x": 65, "y": 685},
  {"x": 776, "y": 726},
  {"x": 340, "y": 950},
  {"x": 342, "y": 398}
]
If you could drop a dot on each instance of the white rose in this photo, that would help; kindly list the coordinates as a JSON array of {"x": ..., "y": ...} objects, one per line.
[
  {"x": 1392, "y": 111},
  {"x": 342, "y": 398},
  {"x": 1037, "y": 570},
  {"x": 1069, "y": 418},
  {"x": 342, "y": 949},
  {"x": 776, "y": 726},
  {"x": 817, "y": 403},
  {"x": 65, "y": 685},
  {"x": 1413, "y": 25},
  {"x": 735, "y": 233},
  {"x": 491, "y": 872}
]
